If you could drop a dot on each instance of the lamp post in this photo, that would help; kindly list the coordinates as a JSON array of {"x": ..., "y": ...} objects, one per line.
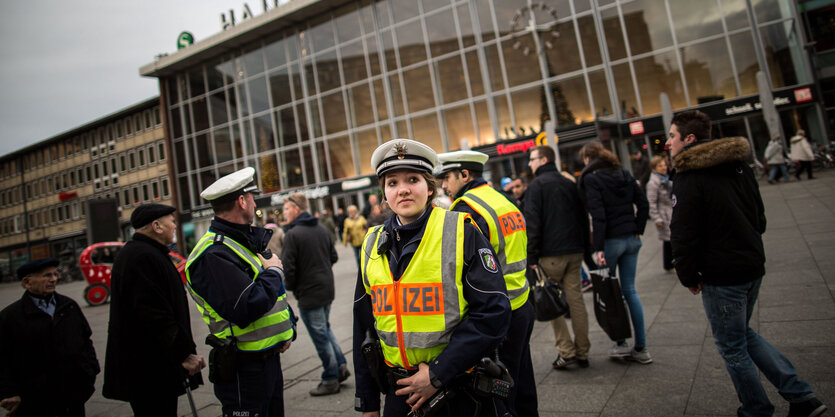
[{"x": 524, "y": 22}]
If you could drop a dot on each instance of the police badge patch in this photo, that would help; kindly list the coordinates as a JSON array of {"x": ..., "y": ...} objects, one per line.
[
  {"x": 675, "y": 200},
  {"x": 400, "y": 150},
  {"x": 488, "y": 260}
]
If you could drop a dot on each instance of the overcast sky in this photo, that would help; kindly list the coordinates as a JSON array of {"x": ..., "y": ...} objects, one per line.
[{"x": 67, "y": 63}]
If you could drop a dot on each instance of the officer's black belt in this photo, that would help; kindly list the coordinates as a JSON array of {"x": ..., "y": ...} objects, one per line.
[
  {"x": 393, "y": 374},
  {"x": 260, "y": 355}
]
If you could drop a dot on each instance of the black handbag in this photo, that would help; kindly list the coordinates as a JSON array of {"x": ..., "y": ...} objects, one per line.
[
  {"x": 609, "y": 307},
  {"x": 548, "y": 297}
]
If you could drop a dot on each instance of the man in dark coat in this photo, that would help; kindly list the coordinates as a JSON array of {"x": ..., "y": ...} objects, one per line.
[
  {"x": 640, "y": 169},
  {"x": 150, "y": 351},
  {"x": 48, "y": 366},
  {"x": 716, "y": 233},
  {"x": 558, "y": 237},
  {"x": 308, "y": 257}
]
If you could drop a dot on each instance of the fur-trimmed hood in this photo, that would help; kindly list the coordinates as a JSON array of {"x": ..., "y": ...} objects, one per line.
[{"x": 712, "y": 153}]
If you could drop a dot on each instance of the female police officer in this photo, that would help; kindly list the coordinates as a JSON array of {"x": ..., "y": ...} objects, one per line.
[{"x": 431, "y": 288}]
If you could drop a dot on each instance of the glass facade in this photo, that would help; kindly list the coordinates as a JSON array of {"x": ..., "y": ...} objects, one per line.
[{"x": 307, "y": 104}]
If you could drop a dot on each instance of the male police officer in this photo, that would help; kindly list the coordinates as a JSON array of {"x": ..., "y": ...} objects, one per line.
[
  {"x": 237, "y": 287},
  {"x": 502, "y": 224}
]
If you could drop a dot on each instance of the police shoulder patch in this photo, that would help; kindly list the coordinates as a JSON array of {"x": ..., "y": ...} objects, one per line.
[
  {"x": 488, "y": 260},
  {"x": 675, "y": 200}
]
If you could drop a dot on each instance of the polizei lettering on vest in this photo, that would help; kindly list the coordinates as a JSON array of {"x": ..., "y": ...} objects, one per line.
[
  {"x": 415, "y": 299},
  {"x": 512, "y": 222}
]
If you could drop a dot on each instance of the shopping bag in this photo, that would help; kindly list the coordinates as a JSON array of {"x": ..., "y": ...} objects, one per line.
[
  {"x": 548, "y": 297},
  {"x": 609, "y": 307}
]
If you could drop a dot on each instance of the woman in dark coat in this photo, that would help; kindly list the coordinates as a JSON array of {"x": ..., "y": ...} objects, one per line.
[
  {"x": 149, "y": 343},
  {"x": 611, "y": 194}
]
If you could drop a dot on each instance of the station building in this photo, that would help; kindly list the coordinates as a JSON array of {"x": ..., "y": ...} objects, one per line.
[
  {"x": 45, "y": 187},
  {"x": 305, "y": 90}
]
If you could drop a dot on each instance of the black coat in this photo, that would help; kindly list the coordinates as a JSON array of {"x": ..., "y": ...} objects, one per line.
[
  {"x": 48, "y": 361},
  {"x": 557, "y": 223},
  {"x": 718, "y": 215},
  {"x": 611, "y": 198},
  {"x": 642, "y": 171},
  {"x": 308, "y": 257},
  {"x": 149, "y": 334}
]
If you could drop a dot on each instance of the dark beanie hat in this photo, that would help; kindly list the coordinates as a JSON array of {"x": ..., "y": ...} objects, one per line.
[{"x": 147, "y": 213}]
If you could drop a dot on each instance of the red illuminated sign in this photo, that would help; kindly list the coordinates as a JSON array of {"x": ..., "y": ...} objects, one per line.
[
  {"x": 515, "y": 147},
  {"x": 636, "y": 128},
  {"x": 802, "y": 95}
]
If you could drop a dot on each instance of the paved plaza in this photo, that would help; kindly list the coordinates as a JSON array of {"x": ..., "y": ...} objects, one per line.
[{"x": 796, "y": 312}]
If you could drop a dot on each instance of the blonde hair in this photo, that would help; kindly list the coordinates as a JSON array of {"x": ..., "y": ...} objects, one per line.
[
  {"x": 299, "y": 200},
  {"x": 655, "y": 161}
]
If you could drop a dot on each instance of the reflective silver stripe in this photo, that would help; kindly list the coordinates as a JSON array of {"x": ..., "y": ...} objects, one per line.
[
  {"x": 195, "y": 253},
  {"x": 500, "y": 253},
  {"x": 415, "y": 340},
  {"x": 517, "y": 292},
  {"x": 266, "y": 332},
  {"x": 242, "y": 251},
  {"x": 449, "y": 239},
  {"x": 369, "y": 245},
  {"x": 217, "y": 326},
  {"x": 515, "y": 267}
]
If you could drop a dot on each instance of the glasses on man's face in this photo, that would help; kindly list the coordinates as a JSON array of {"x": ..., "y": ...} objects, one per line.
[{"x": 534, "y": 158}]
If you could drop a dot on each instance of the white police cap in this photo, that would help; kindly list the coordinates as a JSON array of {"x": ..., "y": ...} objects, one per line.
[
  {"x": 232, "y": 185},
  {"x": 403, "y": 153},
  {"x": 470, "y": 160}
]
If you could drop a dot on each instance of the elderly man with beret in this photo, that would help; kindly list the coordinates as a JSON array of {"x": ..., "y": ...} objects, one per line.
[
  {"x": 48, "y": 366},
  {"x": 150, "y": 352}
]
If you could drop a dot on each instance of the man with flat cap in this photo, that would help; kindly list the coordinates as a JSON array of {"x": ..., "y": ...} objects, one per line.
[
  {"x": 150, "y": 354},
  {"x": 237, "y": 286},
  {"x": 48, "y": 366},
  {"x": 502, "y": 224}
]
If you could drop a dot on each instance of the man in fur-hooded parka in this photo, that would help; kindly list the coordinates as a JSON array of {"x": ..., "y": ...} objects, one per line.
[
  {"x": 718, "y": 214},
  {"x": 716, "y": 234}
]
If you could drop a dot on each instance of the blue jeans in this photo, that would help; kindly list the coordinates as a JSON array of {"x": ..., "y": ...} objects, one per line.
[
  {"x": 317, "y": 322},
  {"x": 622, "y": 253},
  {"x": 781, "y": 168},
  {"x": 728, "y": 310}
]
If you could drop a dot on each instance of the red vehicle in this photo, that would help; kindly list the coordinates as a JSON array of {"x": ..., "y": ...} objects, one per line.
[{"x": 96, "y": 262}]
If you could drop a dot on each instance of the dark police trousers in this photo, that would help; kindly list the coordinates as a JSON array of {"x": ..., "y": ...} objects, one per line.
[
  {"x": 515, "y": 353},
  {"x": 258, "y": 388}
]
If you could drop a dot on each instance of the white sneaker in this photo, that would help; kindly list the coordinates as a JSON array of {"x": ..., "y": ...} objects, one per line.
[
  {"x": 620, "y": 351},
  {"x": 642, "y": 357}
]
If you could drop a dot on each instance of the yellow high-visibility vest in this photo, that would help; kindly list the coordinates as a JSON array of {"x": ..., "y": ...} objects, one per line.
[
  {"x": 417, "y": 314},
  {"x": 508, "y": 236},
  {"x": 274, "y": 327}
]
